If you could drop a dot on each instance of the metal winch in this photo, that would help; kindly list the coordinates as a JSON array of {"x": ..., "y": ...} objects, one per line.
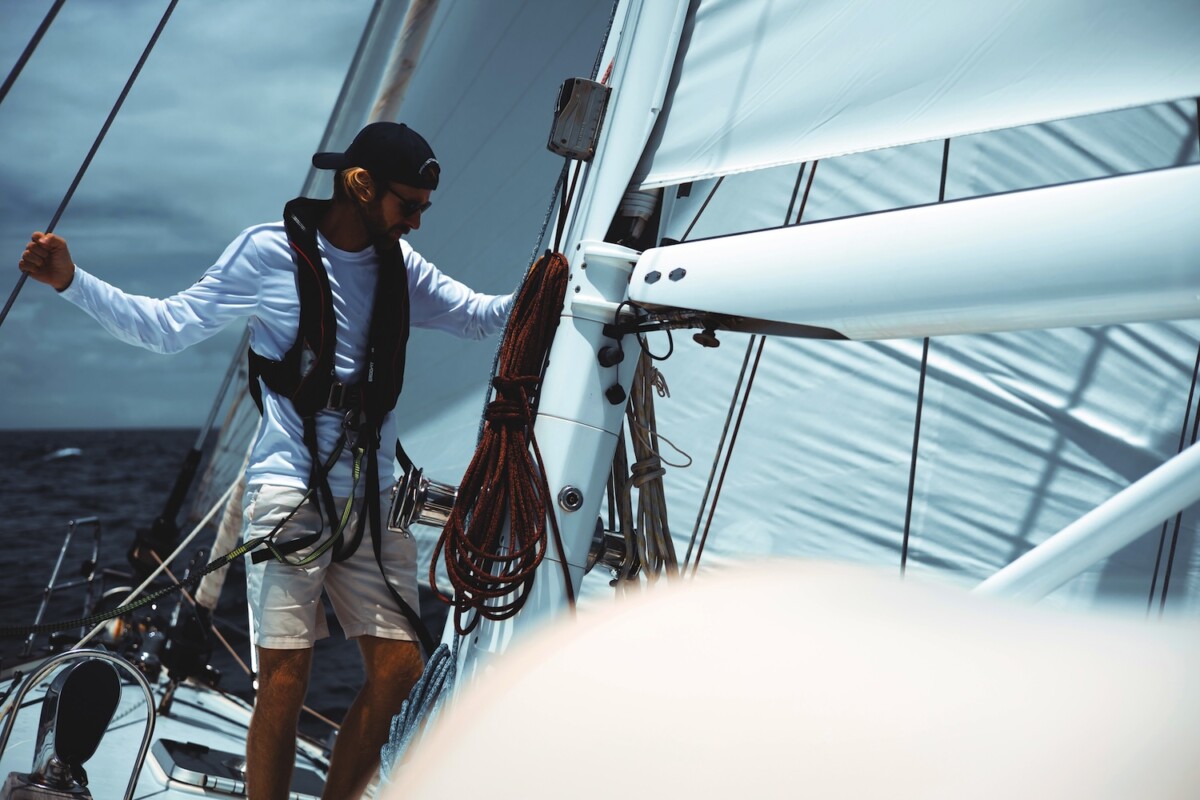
[{"x": 417, "y": 499}]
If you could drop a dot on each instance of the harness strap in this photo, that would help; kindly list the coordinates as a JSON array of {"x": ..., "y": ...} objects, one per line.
[
  {"x": 323, "y": 497},
  {"x": 280, "y": 551},
  {"x": 414, "y": 619}
]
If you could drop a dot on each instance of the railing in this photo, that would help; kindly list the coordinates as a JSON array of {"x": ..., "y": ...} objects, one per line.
[{"x": 10, "y": 714}]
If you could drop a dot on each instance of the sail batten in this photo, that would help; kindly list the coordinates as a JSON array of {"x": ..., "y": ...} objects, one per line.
[{"x": 787, "y": 83}]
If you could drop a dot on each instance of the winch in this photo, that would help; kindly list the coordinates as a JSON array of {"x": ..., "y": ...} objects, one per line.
[{"x": 417, "y": 499}]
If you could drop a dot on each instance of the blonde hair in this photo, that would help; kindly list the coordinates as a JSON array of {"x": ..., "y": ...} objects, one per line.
[{"x": 355, "y": 183}]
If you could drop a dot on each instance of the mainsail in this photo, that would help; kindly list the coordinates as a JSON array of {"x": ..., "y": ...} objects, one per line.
[
  {"x": 1021, "y": 432},
  {"x": 748, "y": 116}
]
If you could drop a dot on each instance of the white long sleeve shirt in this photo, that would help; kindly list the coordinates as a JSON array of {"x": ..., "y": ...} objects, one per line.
[{"x": 256, "y": 277}]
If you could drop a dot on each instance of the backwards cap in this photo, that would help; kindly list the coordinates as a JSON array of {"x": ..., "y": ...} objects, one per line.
[{"x": 390, "y": 151}]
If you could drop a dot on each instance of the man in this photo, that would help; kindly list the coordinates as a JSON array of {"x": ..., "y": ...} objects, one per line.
[{"x": 325, "y": 389}]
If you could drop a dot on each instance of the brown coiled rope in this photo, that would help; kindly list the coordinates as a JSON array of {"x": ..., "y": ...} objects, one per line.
[{"x": 506, "y": 480}]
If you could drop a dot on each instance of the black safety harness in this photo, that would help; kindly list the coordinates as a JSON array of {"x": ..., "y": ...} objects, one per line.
[{"x": 305, "y": 376}]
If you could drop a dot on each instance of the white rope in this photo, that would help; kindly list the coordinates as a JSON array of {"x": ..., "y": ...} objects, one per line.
[{"x": 187, "y": 541}]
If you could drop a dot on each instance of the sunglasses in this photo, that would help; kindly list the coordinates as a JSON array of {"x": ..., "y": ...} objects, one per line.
[{"x": 410, "y": 207}]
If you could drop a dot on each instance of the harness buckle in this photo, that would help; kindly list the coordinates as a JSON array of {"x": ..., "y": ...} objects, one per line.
[
  {"x": 337, "y": 395},
  {"x": 352, "y": 427}
]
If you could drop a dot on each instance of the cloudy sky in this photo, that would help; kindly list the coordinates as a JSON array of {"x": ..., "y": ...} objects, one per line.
[{"x": 214, "y": 135}]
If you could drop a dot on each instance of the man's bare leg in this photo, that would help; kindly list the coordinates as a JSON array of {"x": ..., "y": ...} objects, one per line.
[
  {"x": 271, "y": 742},
  {"x": 392, "y": 668}
]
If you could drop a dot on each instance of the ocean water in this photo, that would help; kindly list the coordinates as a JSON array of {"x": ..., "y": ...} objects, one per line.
[{"x": 123, "y": 479}]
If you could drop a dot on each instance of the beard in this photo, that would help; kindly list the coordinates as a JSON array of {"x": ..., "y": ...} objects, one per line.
[{"x": 383, "y": 237}]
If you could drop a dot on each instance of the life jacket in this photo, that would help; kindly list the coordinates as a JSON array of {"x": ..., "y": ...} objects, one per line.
[{"x": 305, "y": 374}]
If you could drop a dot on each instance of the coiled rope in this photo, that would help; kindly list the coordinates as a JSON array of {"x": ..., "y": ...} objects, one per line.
[
  {"x": 505, "y": 482},
  {"x": 651, "y": 535},
  {"x": 426, "y": 698}
]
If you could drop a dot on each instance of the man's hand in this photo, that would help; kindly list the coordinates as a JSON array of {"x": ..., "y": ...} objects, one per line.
[{"x": 46, "y": 259}]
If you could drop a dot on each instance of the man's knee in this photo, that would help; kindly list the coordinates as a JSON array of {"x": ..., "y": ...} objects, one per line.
[
  {"x": 283, "y": 674},
  {"x": 391, "y": 662}
]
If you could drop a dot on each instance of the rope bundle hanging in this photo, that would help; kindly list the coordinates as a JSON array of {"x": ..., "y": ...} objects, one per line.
[
  {"x": 505, "y": 482},
  {"x": 651, "y": 535}
]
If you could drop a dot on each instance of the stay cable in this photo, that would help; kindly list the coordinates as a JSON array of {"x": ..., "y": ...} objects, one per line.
[{"x": 112, "y": 115}]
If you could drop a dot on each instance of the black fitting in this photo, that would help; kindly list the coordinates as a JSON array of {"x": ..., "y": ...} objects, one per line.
[
  {"x": 706, "y": 338},
  {"x": 610, "y": 356}
]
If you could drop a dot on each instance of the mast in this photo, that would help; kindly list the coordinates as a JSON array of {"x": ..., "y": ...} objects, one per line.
[{"x": 576, "y": 426}]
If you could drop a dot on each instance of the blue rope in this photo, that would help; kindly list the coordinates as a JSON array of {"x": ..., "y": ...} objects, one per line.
[{"x": 425, "y": 700}]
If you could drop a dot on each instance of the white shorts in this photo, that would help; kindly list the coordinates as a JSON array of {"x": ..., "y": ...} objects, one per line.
[{"x": 285, "y": 601}]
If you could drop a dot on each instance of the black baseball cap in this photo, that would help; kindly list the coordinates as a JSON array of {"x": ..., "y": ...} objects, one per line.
[{"x": 390, "y": 151}]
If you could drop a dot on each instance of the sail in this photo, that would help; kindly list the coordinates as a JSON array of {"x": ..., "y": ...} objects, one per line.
[
  {"x": 801, "y": 448},
  {"x": 781, "y": 83},
  {"x": 1021, "y": 433}
]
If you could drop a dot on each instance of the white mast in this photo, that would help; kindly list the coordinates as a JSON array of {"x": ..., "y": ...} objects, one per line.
[{"x": 577, "y": 427}]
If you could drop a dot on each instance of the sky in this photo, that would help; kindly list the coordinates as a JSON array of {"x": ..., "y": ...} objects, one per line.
[{"x": 215, "y": 134}]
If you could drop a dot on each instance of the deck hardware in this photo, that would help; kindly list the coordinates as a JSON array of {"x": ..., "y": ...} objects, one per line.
[
  {"x": 570, "y": 498},
  {"x": 610, "y": 356},
  {"x": 652, "y": 276},
  {"x": 615, "y": 394},
  {"x": 706, "y": 338},
  {"x": 49, "y": 666},
  {"x": 609, "y": 550},
  {"x": 677, "y": 273},
  {"x": 417, "y": 499}
]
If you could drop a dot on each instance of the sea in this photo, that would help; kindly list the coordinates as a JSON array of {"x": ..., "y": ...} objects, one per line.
[{"x": 119, "y": 481}]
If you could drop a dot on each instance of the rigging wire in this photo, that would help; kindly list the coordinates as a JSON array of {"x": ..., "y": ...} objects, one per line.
[
  {"x": 612, "y": 15},
  {"x": 733, "y": 400},
  {"x": 712, "y": 473},
  {"x": 1195, "y": 430},
  {"x": 912, "y": 467},
  {"x": 87, "y": 161},
  {"x": 1179, "y": 516},
  {"x": 795, "y": 193},
  {"x": 762, "y": 340},
  {"x": 1162, "y": 538},
  {"x": 703, "y": 206},
  {"x": 807, "y": 188},
  {"x": 29, "y": 48}
]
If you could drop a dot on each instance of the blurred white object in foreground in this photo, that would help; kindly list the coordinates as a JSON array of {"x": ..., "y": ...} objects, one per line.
[{"x": 803, "y": 679}]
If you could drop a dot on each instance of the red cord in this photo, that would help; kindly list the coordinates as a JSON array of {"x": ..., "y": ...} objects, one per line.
[{"x": 506, "y": 480}]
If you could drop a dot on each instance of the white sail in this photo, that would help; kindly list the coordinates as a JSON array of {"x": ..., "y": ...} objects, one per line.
[
  {"x": 780, "y": 83},
  {"x": 1021, "y": 433}
]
